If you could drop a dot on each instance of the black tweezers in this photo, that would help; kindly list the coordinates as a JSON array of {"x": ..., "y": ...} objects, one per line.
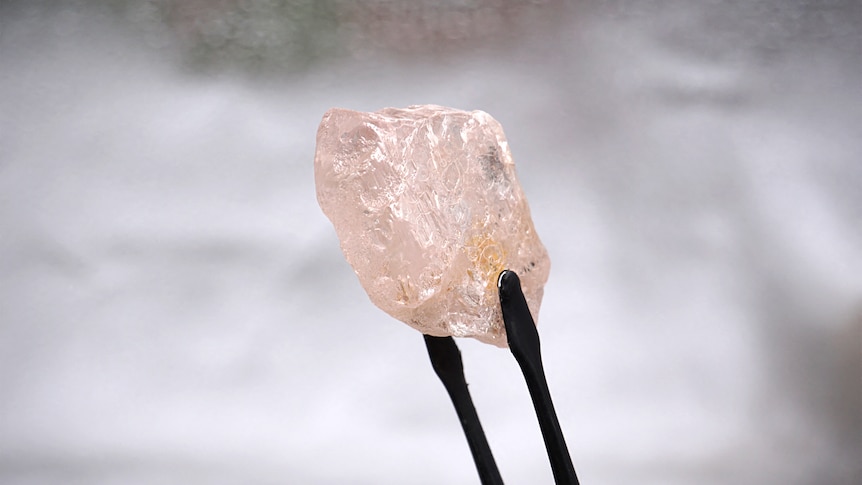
[{"x": 524, "y": 343}]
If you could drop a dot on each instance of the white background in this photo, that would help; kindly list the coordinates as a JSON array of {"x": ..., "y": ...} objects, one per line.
[{"x": 174, "y": 307}]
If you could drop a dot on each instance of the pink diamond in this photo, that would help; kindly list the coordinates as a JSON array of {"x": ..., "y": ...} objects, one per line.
[{"x": 429, "y": 211}]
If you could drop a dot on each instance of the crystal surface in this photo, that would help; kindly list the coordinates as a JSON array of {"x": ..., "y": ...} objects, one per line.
[{"x": 429, "y": 211}]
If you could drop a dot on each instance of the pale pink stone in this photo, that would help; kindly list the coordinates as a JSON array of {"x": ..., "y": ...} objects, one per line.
[{"x": 429, "y": 211}]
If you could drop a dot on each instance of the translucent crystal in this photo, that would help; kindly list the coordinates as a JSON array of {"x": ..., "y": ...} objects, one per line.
[{"x": 429, "y": 211}]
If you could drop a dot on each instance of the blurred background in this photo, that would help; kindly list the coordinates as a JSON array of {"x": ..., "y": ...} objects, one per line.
[{"x": 175, "y": 308}]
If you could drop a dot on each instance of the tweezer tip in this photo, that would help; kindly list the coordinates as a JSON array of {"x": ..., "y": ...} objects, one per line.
[{"x": 507, "y": 282}]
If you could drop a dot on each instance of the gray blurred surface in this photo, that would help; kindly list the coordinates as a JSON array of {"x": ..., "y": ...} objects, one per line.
[{"x": 174, "y": 307}]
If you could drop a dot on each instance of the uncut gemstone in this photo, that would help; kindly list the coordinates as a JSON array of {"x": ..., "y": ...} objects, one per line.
[{"x": 429, "y": 211}]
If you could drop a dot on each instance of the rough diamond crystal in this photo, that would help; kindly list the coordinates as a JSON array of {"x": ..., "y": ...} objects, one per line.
[{"x": 429, "y": 211}]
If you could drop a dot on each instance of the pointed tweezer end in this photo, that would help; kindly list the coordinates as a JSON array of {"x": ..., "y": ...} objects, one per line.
[
  {"x": 521, "y": 331},
  {"x": 523, "y": 341}
]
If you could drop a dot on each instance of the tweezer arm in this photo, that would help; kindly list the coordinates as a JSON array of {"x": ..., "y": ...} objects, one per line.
[
  {"x": 447, "y": 364},
  {"x": 524, "y": 343}
]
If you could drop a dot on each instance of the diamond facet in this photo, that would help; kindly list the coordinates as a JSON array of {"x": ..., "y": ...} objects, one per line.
[{"x": 429, "y": 211}]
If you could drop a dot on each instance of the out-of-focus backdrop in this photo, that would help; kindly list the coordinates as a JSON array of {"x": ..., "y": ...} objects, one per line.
[{"x": 174, "y": 307}]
